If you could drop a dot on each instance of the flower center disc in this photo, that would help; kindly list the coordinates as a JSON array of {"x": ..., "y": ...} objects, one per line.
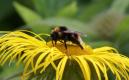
[{"x": 72, "y": 49}]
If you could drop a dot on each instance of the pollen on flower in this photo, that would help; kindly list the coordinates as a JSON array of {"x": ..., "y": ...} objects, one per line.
[{"x": 72, "y": 49}]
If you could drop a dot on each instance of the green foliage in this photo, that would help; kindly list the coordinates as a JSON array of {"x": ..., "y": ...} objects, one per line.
[
  {"x": 28, "y": 15},
  {"x": 119, "y": 6},
  {"x": 93, "y": 9},
  {"x": 9, "y": 19},
  {"x": 10, "y": 72},
  {"x": 121, "y": 36},
  {"x": 68, "y": 11},
  {"x": 41, "y": 25},
  {"x": 122, "y": 27},
  {"x": 54, "y": 13},
  {"x": 97, "y": 44},
  {"x": 122, "y": 42},
  {"x": 1, "y": 69},
  {"x": 7, "y": 11},
  {"x": 49, "y": 8},
  {"x": 78, "y": 15}
]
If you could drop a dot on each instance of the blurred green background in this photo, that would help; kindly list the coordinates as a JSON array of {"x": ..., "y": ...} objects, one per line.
[{"x": 105, "y": 22}]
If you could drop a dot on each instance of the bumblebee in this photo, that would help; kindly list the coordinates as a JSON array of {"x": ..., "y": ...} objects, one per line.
[{"x": 63, "y": 34}]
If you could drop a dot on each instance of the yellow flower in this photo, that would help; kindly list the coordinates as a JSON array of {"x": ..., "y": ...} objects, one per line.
[{"x": 38, "y": 56}]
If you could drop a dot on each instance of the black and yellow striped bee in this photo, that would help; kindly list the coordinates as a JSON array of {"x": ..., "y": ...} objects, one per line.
[{"x": 63, "y": 34}]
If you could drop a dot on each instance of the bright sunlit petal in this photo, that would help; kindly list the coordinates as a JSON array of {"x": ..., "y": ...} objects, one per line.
[{"x": 38, "y": 57}]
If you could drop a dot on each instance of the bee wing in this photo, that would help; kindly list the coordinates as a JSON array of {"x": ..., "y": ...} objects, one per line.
[
  {"x": 82, "y": 34},
  {"x": 68, "y": 31}
]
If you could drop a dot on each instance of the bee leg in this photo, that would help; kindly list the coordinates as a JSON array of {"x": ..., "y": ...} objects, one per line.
[
  {"x": 65, "y": 40},
  {"x": 52, "y": 42},
  {"x": 67, "y": 52},
  {"x": 65, "y": 44},
  {"x": 55, "y": 42},
  {"x": 81, "y": 46}
]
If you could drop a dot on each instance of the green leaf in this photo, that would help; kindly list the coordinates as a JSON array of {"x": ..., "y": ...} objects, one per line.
[
  {"x": 121, "y": 36},
  {"x": 122, "y": 42},
  {"x": 72, "y": 71},
  {"x": 100, "y": 44},
  {"x": 122, "y": 27},
  {"x": 10, "y": 72},
  {"x": 49, "y": 8},
  {"x": 44, "y": 25},
  {"x": 5, "y": 12},
  {"x": 68, "y": 11},
  {"x": 28, "y": 15},
  {"x": 119, "y": 6},
  {"x": 93, "y": 9}
]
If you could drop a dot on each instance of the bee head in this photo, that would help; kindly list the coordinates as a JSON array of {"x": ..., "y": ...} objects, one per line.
[
  {"x": 63, "y": 28},
  {"x": 59, "y": 29}
]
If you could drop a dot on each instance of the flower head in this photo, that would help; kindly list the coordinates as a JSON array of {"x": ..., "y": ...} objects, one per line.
[{"x": 41, "y": 58}]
